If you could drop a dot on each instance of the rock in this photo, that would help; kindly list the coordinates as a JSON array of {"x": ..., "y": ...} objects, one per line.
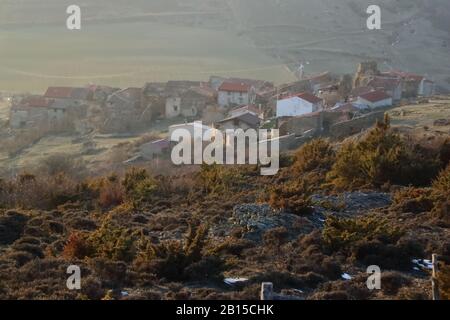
[
  {"x": 442, "y": 123},
  {"x": 351, "y": 203},
  {"x": 256, "y": 219}
]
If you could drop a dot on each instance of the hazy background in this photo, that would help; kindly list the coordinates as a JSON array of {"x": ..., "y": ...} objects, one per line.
[{"x": 126, "y": 43}]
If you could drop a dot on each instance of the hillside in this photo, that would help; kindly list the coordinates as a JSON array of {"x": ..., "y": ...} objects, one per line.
[
  {"x": 252, "y": 38},
  {"x": 219, "y": 232}
]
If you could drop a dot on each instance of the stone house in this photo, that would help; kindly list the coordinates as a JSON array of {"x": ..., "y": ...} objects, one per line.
[
  {"x": 243, "y": 121},
  {"x": 190, "y": 103},
  {"x": 375, "y": 99},
  {"x": 392, "y": 86},
  {"x": 125, "y": 112},
  {"x": 235, "y": 94},
  {"x": 248, "y": 109},
  {"x": 75, "y": 96},
  {"x": 29, "y": 112},
  {"x": 155, "y": 149}
]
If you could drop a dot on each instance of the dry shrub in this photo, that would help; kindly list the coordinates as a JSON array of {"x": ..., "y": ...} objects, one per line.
[
  {"x": 111, "y": 193},
  {"x": 39, "y": 192},
  {"x": 381, "y": 157},
  {"x": 275, "y": 237},
  {"x": 77, "y": 247},
  {"x": 315, "y": 155},
  {"x": 218, "y": 180},
  {"x": 444, "y": 281},
  {"x": 232, "y": 246},
  {"x": 441, "y": 185},
  {"x": 415, "y": 200},
  {"x": 64, "y": 164},
  {"x": 113, "y": 242},
  {"x": 178, "y": 260},
  {"x": 343, "y": 234},
  {"x": 293, "y": 197},
  {"x": 386, "y": 255},
  {"x": 139, "y": 185},
  {"x": 440, "y": 192},
  {"x": 392, "y": 282},
  {"x": 12, "y": 225}
]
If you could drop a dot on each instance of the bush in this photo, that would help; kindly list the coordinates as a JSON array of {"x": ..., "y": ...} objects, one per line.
[
  {"x": 216, "y": 179},
  {"x": 62, "y": 164},
  {"x": 293, "y": 197},
  {"x": 441, "y": 185},
  {"x": 343, "y": 234},
  {"x": 12, "y": 226},
  {"x": 387, "y": 256},
  {"x": 111, "y": 194},
  {"x": 77, "y": 247},
  {"x": 139, "y": 185},
  {"x": 392, "y": 282},
  {"x": 177, "y": 261},
  {"x": 415, "y": 200},
  {"x": 113, "y": 242},
  {"x": 315, "y": 155},
  {"x": 382, "y": 157},
  {"x": 444, "y": 281}
]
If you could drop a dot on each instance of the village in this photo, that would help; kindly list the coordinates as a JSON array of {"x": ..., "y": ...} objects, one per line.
[{"x": 128, "y": 126}]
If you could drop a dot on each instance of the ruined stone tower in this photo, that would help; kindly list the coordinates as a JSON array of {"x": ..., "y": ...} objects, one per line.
[{"x": 366, "y": 70}]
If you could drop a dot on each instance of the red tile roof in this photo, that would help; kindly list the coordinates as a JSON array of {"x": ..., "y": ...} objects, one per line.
[
  {"x": 251, "y": 108},
  {"x": 59, "y": 92},
  {"x": 309, "y": 97},
  {"x": 36, "y": 102},
  {"x": 405, "y": 75},
  {"x": 385, "y": 83},
  {"x": 375, "y": 96},
  {"x": 234, "y": 87}
]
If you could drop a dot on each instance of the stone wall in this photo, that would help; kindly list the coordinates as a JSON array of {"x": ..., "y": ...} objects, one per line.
[{"x": 347, "y": 128}]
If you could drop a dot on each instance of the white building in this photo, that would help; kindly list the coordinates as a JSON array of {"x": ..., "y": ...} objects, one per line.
[
  {"x": 375, "y": 99},
  {"x": 426, "y": 88},
  {"x": 235, "y": 94},
  {"x": 299, "y": 105}
]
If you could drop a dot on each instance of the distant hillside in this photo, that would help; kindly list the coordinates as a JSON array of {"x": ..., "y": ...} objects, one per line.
[{"x": 323, "y": 34}]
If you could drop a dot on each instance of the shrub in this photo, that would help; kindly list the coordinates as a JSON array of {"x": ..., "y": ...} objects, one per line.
[
  {"x": 177, "y": 261},
  {"x": 392, "y": 282},
  {"x": 343, "y": 234},
  {"x": 139, "y": 185},
  {"x": 444, "y": 281},
  {"x": 293, "y": 197},
  {"x": 113, "y": 242},
  {"x": 77, "y": 247},
  {"x": 317, "y": 154},
  {"x": 441, "y": 185},
  {"x": 387, "y": 256},
  {"x": 111, "y": 194},
  {"x": 441, "y": 196},
  {"x": 275, "y": 237},
  {"x": 382, "y": 157},
  {"x": 12, "y": 226},
  {"x": 216, "y": 179},
  {"x": 232, "y": 246},
  {"x": 62, "y": 164},
  {"x": 415, "y": 200}
]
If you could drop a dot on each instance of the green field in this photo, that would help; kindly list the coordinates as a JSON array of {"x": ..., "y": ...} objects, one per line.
[{"x": 126, "y": 54}]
